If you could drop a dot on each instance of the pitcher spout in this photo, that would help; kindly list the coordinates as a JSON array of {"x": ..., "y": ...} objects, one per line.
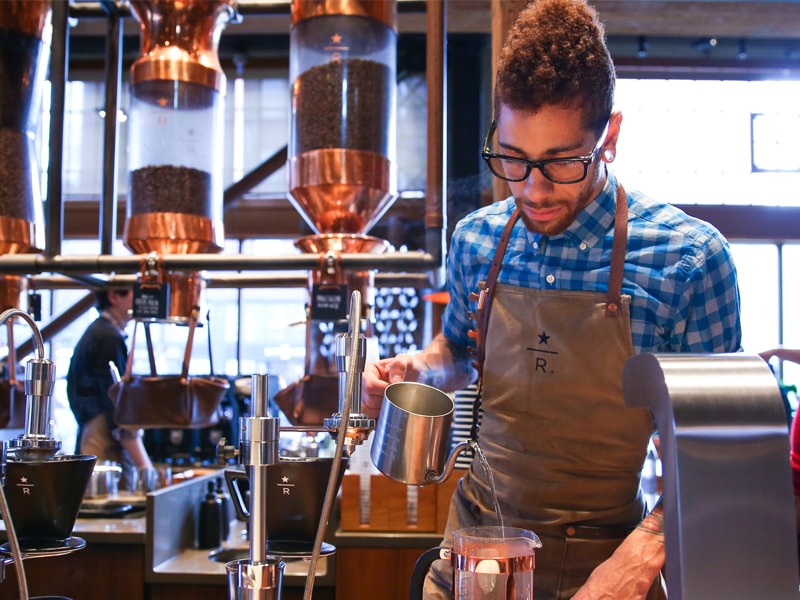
[{"x": 432, "y": 477}]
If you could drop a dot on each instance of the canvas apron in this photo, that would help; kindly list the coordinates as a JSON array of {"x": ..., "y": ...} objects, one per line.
[{"x": 565, "y": 451}]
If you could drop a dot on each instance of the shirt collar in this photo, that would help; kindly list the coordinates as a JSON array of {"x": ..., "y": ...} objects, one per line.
[{"x": 120, "y": 326}]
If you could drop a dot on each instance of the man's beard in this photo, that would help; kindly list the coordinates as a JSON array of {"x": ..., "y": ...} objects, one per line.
[{"x": 554, "y": 227}]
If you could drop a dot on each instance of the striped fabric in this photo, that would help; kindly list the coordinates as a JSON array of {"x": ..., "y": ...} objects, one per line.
[{"x": 678, "y": 270}]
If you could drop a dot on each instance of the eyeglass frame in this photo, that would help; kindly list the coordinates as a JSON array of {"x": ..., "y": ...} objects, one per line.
[{"x": 530, "y": 165}]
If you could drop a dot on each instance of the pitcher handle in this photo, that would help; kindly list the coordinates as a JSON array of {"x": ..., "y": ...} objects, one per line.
[
  {"x": 232, "y": 477},
  {"x": 421, "y": 569}
]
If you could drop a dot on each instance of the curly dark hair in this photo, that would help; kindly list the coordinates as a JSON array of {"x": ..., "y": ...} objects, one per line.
[{"x": 556, "y": 54}]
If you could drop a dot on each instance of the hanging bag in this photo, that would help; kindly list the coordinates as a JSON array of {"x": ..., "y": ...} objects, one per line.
[{"x": 172, "y": 401}]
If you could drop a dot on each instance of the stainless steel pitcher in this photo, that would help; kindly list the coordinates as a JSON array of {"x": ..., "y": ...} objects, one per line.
[{"x": 412, "y": 435}]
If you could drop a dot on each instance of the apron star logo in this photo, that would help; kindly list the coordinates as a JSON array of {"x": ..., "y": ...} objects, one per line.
[{"x": 544, "y": 338}]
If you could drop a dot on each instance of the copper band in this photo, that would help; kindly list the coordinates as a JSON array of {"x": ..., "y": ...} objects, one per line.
[
  {"x": 19, "y": 236},
  {"x": 514, "y": 564},
  {"x": 163, "y": 68},
  {"x": 384, "y": 11},
  {"x": 173, "y": 233},
  {"x": 13, "y": 292}
]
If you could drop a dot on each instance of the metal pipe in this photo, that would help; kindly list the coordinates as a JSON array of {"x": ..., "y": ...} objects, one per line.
[
  {"x": 238, "y": 189},
  {"x": 59, "y": 59},
  {"x": 33, "y": 264},
  {"x": 436, "y": 188},
  {"x": 223, "y": 281},
  {"x": 113, "y": 66}
]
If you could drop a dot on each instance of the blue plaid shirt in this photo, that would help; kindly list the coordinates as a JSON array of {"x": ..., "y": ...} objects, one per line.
[{"x": 678, "y": 270}]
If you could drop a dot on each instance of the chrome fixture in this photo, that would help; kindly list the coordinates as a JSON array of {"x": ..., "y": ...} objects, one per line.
[
  {"x": 41, "y": 493},
  {"x": 260, "y": 575}
]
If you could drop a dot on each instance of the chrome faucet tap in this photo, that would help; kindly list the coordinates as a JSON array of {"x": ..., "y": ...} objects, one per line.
[
  {"x": 37, "y": 442},
  {"x": 351, "y": 355}
]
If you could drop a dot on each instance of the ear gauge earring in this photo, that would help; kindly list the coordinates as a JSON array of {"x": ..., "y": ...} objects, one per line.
[{"x": 608, "y": 155}]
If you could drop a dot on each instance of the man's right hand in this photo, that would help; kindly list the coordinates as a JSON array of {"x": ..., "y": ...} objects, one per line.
[{"x": 378, "y": 375}]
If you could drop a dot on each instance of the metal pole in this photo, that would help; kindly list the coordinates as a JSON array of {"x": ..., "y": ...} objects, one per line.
[
  {"x": 108, "y": 205},
  {"x": 59, "y": 59},
  {"x": 436, "y": 192}
]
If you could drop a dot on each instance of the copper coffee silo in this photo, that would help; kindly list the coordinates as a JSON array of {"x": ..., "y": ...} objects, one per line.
[
  {"x": 342, "y": 68},
  {"x": 25, "y": 30},
  {"x": 176, "y": 137}
]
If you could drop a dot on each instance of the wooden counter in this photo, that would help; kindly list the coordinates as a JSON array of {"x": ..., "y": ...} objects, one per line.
[{"x": 151, "y": 555}]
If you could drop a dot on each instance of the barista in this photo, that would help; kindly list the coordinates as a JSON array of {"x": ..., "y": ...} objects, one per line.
[
  {"x": 89, "y": 378},
  {"x": 588, "y": 274}
]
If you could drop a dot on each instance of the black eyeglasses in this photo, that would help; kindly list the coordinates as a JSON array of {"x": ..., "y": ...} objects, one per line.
[{"x": 571, "y": 169}]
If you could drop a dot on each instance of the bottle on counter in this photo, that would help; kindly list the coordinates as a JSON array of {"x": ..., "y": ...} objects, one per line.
[
  {"x": 209, "y": 529},
  {"x": 225, "y": 501}
]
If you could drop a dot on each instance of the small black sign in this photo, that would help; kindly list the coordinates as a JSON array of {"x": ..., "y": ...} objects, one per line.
[
  {"x": 35, "y": 306},
  {"x": 328, "y": 302},
  {"x": 150, "y": 302}
]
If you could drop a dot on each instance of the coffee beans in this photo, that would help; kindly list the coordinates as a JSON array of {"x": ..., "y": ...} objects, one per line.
[
  {"x": 169, "y": 188},
  {"x": 16, "y": 175},
  {"x": 19, "y": 57},
  {"x": 344, "y": 104}
]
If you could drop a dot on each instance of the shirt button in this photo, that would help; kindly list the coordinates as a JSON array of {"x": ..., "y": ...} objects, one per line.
[
  {"x": 550, "y": 279},
  {"x": 583, "y": 246}
]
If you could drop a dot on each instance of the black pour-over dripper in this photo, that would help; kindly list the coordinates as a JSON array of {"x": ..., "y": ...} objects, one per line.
[{"x": 44, "y": 498}]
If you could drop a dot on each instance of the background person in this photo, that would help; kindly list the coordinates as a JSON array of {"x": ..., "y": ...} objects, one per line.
[
  {"x": 89, "y": 379},
  {"x": 565, "y": 451},
  {"x": 792, "y": 355}
]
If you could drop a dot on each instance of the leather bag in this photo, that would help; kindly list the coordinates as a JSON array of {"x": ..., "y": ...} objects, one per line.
[
  {"x": 311, "y": 400},
  {"x": 168, "y": 402},
  {"x": 12, "y": 390}
]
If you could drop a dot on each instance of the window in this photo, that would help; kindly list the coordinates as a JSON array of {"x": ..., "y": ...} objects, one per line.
[{"x": 689, "y": 142}]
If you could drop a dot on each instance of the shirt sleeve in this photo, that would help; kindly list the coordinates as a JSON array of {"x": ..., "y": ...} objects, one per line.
[
  {"x": 708, "y": 306},
  {"x": 455, "y": 318}
]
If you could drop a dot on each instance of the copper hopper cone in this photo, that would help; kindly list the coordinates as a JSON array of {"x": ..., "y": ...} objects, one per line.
[{"x": 343, "y": 71}]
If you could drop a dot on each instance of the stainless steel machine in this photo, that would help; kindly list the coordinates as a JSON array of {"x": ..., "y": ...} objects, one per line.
[
  {"x": 259, "y": 577},
  {"x": 727, "y": 488}
]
